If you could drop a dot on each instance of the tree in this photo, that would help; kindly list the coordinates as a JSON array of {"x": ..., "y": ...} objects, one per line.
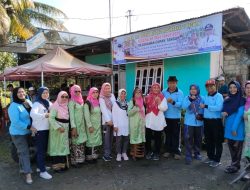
[
  {"x": 19, "y": 18},
  {"x": 7, "y": 60}
]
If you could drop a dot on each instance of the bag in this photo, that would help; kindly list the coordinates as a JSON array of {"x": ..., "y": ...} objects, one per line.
[{"x": 199, "y": 117}]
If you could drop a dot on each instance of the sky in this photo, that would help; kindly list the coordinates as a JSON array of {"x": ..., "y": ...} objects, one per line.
[{"x": 91, "y": 17}]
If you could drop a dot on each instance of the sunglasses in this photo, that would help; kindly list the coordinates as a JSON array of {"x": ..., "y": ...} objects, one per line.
[
  {"x": 65, "y": 97},
  {"x": 77, "y": 91}
]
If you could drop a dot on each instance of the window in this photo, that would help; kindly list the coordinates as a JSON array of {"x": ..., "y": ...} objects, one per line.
[{"x": 148, "y": 73}]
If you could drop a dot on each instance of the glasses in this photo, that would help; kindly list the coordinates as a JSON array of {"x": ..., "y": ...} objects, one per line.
[
  {"x": 77, "y": 91},
  {"x": 66, "y": 97}
]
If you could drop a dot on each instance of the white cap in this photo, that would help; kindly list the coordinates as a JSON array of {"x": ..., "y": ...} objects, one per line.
[
  {"x": 31, "y": 88},
  {"x": 220, "y": 78}
]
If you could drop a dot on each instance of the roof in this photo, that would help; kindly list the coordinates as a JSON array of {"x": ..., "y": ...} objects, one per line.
[
  {"x": 57, "y": 61},
  {"x": 236, "y": 30}
]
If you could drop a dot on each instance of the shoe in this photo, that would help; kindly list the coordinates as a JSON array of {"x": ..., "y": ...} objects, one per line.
[
  {"x": 214, "y": 164},
  {"x": 149, "y": 155},
  {"x": 198, "y": 157},
  {"x": 166, "y": 155},
  {"x": 45, "y": 175},
  {"x": 119, "y": 157},
  {"x": 106, "y": 159},
  {"x": 177, "y": 157},
  {"x": 47, "y": 169},
  {"x": 155, "y": 157},
  {"x": 246, "y": 177},
  {"x": 231, "y": 170},
  {"x": 207, "y": 161},
  {"x": 110, "y": 156},
  {"x": 29, "y": 180},
  {"x": 125, "y": 156}
]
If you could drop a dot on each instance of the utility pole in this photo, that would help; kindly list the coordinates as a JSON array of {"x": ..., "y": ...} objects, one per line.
[
  {"x": 111, "y": 49},
  {"x": 129, "y": 19}
]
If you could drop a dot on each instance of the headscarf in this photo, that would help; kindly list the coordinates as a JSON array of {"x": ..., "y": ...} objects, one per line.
[
  {"x": 39, "y": 98},
  {"x": 107, "y": 98},
  {"x": 74, "y": 97},
  {"x": 24, "y": 102},
  {"x": 234, "y": 101},
  {"x": 94, "y": 101},
  {"x": 122, "y": 104},
  {"x": 139, "y": 102},
  {"x": 61, "y": 108},
  {"x": 151, "y": 104},
  {"x": 247, "y": 105},
  {"x": 195, "y": 103},
  {"x": 15, "y": 97}
]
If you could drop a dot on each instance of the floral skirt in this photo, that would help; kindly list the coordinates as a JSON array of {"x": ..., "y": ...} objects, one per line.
[{"x": 77, "y": 153}]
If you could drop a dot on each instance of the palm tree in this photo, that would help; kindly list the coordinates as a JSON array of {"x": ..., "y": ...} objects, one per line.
[{"x": 19, "y": 18}]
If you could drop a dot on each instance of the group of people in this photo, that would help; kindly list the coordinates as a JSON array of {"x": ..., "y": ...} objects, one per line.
[{"x": 70, "y": 130}]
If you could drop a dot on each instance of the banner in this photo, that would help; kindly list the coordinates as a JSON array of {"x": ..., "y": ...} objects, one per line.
[
  {"x": 194, "y": 36},
  {"x": 35, "y": 42}
]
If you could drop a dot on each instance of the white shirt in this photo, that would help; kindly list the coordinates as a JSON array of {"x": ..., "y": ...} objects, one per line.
[
  {"x": 120, "y": 120},
  {"x": 37, "y": 113},
  {"x": 106, "y": 113},
  {"x": 157, "y": 122}
]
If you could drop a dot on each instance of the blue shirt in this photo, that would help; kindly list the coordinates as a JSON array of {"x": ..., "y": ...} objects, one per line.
[
  {"x": 235, "y": 122},
  {"x": 190, "y": 117},
  {"x": 214, "y": 104},
  {"x": 174, "y": 110},
  {"x": 20, "y": 119}
]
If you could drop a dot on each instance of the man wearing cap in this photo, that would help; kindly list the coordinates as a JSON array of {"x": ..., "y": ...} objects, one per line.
[
  {"x": 223, "y": 89},
  {"x": 32, "y": 94},
  {"x": 174, "y": 97},
  {"x": 213, "y": 128}
]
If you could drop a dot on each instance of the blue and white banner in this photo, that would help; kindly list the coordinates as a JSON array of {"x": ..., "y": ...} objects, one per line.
[
  {"x": 193, "y": 36},
  {"x": 35, "y": 42}
]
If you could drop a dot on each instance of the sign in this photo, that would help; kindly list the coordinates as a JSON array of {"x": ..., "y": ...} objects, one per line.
[
  {"x": 35, "y": 42},
  {"x": 194, "y": 36}
]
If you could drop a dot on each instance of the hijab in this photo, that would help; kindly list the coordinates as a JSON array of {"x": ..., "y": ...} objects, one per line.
[
  {"x": 122, "y": 104},
  {"x": 73, "y": 94},
  {"x": 151, "y": 104},
  {"x": 94, "y": 101},
  {"x": 39, "y": 98},
  {"x": 24, "y": 102},
  {"x": 247, "y": 105},
  {"x": 107, "y": 98},
  {"x": 61, "y": 108},
  {"x": 195, "y": 103},
  {"x": 232, "y": 104}
]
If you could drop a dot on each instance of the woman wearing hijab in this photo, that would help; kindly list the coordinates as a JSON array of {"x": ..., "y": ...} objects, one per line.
[
  {"x": 78, "y": 131},
  {"x": 20, "y": 128},
  {"x": 92, "y": 116},
  {"x": 156, "y": 104},
  {"x": 58, "y": 147},
  {"x": 136, "y": 115},
  {"x": 40, "y": 120},
  {"x": 107, "y": 99},
  {"x": 193, "y": 124},
  {"x": 233, "y": 111},
  {"x": 121, "y": 128}
]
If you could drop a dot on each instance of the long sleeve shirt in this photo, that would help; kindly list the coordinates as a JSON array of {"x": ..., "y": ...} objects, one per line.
[
  {"x": 106, "y": 113},
  {"x": 174, "y": 109},
  {"x": 214, "y": 104}
]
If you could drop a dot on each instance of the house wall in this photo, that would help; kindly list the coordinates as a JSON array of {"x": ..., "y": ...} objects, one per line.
[{"x": 99, "y": 59}]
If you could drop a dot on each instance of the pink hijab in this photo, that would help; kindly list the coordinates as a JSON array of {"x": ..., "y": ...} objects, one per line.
[
  {"x": 247, "y": 105},
  {"x": 61, "y": 108},
  {"x": 74, "y": 97},
  {"x": 107, "y": 98},
  {"x": 91, "y": 99}
]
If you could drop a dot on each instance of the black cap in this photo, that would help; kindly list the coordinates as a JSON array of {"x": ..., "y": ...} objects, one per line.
[{"x": 172, "y": 78}]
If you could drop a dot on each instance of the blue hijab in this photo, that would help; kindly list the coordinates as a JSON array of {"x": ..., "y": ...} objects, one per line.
[
  {"x": 232, "y": 104},
  {"x": 195, "y": 103},
  {"x": 40, "y": 99}
]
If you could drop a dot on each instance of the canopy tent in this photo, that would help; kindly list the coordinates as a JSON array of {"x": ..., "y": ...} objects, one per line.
[{"x": 57, "y": 61}]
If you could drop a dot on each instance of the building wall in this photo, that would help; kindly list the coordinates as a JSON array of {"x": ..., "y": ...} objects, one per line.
[
  {"x": 99, "y": 59},
  {"x": 130, "y": 79},
  {"x": 193, "y": 69}
]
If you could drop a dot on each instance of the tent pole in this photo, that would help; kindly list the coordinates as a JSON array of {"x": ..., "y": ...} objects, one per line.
[
  {"x": 110, "y": 36},
  {"x": 4, "y": 87},
  {"x": 42, "y": 78}
]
